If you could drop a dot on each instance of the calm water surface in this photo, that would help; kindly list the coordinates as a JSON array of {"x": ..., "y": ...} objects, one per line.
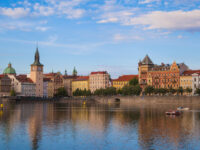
[{"x": 66, "y": 126}]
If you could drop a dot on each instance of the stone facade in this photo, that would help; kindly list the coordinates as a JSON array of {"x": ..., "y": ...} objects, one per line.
[{"x": 98, "y": 80}]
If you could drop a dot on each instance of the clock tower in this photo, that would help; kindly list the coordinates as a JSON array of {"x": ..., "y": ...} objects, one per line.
[{"x": 36, "y": 74}]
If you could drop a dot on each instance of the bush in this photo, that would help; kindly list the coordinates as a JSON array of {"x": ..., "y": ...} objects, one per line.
[
  {"x": 149, "y": 90},
  {"x": 12, "y": 92},
  {"x": 180, "y": 91},
  {"x": 131, "y": 90},
  {"x": 79, "y": 92},
  {"x": 134, "y": 82},
  {"x": 197, "y": 91},
  {"x": 61, "y": 92}
]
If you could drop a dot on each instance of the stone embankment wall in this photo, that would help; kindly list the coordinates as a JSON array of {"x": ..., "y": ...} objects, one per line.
[{"x": 149, "y": 99}]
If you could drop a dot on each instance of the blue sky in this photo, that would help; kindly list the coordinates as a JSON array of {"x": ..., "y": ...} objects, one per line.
[{"x": 96, "y": 35}]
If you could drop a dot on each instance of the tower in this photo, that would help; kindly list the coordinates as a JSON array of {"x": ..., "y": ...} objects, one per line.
[{"x": 36, "y": 74}]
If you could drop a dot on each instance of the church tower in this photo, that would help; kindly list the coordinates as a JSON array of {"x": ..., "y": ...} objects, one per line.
[{"x": 36, "y": 74}]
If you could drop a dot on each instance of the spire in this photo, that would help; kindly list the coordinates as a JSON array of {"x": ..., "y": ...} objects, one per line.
[
  {"x": 74, "y": 72},
  {"x": 37, "y": 58},
  {"x": 147, "y": 61}
]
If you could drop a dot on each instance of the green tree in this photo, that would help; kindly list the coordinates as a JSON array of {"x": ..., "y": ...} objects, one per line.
[
  {"x": 149, "y": 90},
  {"x": 172, "y": 91},
  {"x": 134, "y": 82},
  {"x": 61, "y": 92},
  {"x": 180, "y": 90},
  {"x": 188, "y": 90},
  {"x": 12, "y": 92},
  {"x": 197, "y": 91}
]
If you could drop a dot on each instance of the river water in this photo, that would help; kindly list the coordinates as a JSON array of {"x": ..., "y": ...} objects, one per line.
[{"x": 78, "y": 126}]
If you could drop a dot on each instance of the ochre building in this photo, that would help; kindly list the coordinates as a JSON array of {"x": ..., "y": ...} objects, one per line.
[
  {"x": 81, "y": 83},
  {"x": 123, "y": 81}
]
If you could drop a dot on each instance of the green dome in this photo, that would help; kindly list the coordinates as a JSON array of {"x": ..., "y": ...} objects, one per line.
[{"x": 9, "y": 70}]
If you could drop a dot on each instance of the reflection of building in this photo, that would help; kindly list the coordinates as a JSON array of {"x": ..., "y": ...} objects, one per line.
[
  {"x": 36, "y": 74},
  {"x": 67, "y": 81},
  {"x": 98, "y": 80},
  {"x": 82, "y": 83},
  {"x": 56, "y": 82},
  {"x": 123, "y": 80},
  {"x": 160, "y": 76},
  {"x": 5, "y": 85}
]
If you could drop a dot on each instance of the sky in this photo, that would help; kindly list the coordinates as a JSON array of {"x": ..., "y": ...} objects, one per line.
[{"x": 98, "y": 35}]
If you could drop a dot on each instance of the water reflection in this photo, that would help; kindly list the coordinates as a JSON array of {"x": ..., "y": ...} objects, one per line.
[{"x": 94, "y": 126}]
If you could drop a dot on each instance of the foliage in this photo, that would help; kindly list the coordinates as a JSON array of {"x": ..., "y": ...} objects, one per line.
[
  {"x": 131, "y": 90},
  {"x": 180, "y": 90},
  {"x": 197, "y": 91},
  {"x": 61, "y": 92},
  {"x": 188, "y": 90},
  {"x": 161, "y": 91},
  {"x": 105, "y": 92},
  {"x": 12, "y": 92},
  {"x": 172, "y": 91},
  {"x": 134, "y": 82},
  {"x": 149, "y": 90},
  {"x": 79, "y": 92}
]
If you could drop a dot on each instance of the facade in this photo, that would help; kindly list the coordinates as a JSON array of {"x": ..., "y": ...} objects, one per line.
[
  {"x": 186, "y": 80},
  {"x": 22, "y": 85},
  {"x": 98, "y": 80},
  {"x": 45, "y": 87},
  {"x": 123, "y": 81},
  {"x": 36, "y": 74},
  {"x": 67, "y": 82},
  {"x": 160, "y": 76},
  {"x": 5, "y": 85},
  {"x": 56, "y": 82},
  {"x": 195, "y": 80},
  {"x": 81, "y": 83}
]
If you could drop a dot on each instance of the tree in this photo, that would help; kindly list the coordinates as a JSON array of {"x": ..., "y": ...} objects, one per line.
[
  {"x": 133, "y": 82},
  {"x": 172, "y": 91},
  {"x": 188, "y": 90},
  {"x": 131, "y": 90},
  {"x": 61, "y": 92},
  {"x": 197, "y": 91},
  {"x": 180, "y": 90},
  {"x": 12, "y": 92},
  {"x": 149, "y": 90}
]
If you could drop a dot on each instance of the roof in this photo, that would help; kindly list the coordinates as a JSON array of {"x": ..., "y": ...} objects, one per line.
[
  {"x": 82, "y": 78},
  {"x": 99, "y": 72},
  {"x": 46, "y": 79},
  {"x": 37, "y": 59},
  {"x": 9, "y": 70},
  {"x": 190, "y": 72},
  {"x": 147, "y": 61},
  {"x": 1, "y": 75},
  {"x": 126, "y": 78},
  {"x": 24, "y": 79},
  {"x": 70, "y": 77}
]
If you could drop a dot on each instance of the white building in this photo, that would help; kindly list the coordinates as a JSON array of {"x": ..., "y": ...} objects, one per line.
[
  {"x": 22, "y": 85},
  {"x": 195, "y": 81},
  {"x": 45, "y": 87}
]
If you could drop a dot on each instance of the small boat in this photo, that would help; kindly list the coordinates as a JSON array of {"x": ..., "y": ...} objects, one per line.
[
  {"x": 182, "y": 108},
  {"x": 173, "y": 112}
]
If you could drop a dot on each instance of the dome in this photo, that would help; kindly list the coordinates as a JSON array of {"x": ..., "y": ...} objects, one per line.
[{"x": 9, "y": 70}]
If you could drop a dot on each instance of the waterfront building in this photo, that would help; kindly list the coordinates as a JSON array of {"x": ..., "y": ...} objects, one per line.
[
  {"x": 5, "y": 85},
  {"x": 56, "y": 82},
  {"x": 67, "y": 81},
  {"x": 98, "y": 80},
  {"x": 36, "y": 74},
  {"x": 123, "y": 81},
  {"x": 195, "y": 81},
  {"x": 22, "y": 85},
  {"x": 160, "y": 76},
  {"x": 186, "y": 79},
  {"x": 45, "y": 87},
  {"x": 82, "y": 83}
]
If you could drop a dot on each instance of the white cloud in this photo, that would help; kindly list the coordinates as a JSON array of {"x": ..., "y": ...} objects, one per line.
[
  {"x": 147, "y": 1},
  {"x": 14, "y": 12},
  {"x": 43, "y": 10},
  {"x": 39, "y": 28},
  {"x": 120, "y": 37}
]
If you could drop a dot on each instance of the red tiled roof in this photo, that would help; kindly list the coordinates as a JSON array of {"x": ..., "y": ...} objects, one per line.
[
  {"x": 82, "y": 78},
  {"x": 23, "y": 78},
  {"x": 70, "y": 77},
  {"x": 1, "y": 75},
  {"x": 126, "y": 78},
  {"x": 99, "y": 72},
  {"x": 46, "y": 79},
  {"x": 190, "y": 72}
]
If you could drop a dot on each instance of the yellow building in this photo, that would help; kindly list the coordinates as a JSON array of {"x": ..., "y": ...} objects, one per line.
[
  {"x": 186, "y": 80},
  {"x": 81, "y": 83},
  {"x": 122, "y": 81}
]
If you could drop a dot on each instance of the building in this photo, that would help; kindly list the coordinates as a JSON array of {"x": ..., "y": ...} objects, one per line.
[
  {"x": 9, "y": 70},
  {"x": 45, "y": 87},
  {"x": 5, "y": 85},
  {"x": 195, "y": 80},
  {"x": 81, "y": 83},
  {"x": 186, "y": 79},
  {"x": 123, "y": 81},
  {"x": 160, "y": 76},
  {"x": 36, "y": 74},
  {"x": 67, "y": 82},
  {"x": 22, "y": 85},
  {"x": 56, "y": 82},
  {"x": 98, "y": 80}
]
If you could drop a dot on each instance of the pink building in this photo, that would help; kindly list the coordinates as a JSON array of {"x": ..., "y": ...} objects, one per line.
[{"x": 98, "y": 80}]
